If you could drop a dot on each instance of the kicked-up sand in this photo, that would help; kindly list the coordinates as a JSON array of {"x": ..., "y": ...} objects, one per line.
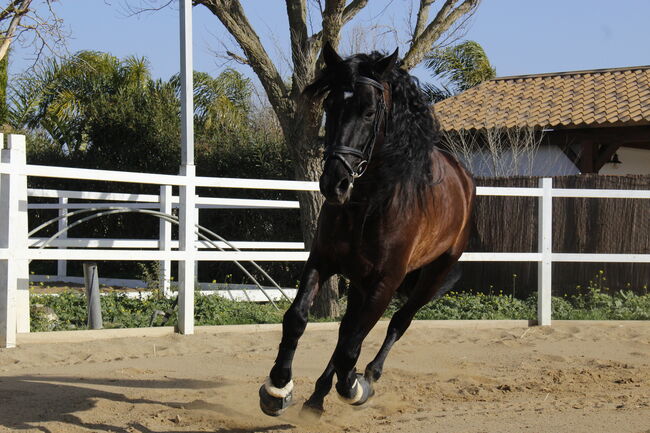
[{"x": 451, "y": 377}]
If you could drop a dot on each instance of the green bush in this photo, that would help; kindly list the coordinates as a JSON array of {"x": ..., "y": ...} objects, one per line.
[
  {"x": 120, "y": 311},
  {"x": 215, "y": 310}
]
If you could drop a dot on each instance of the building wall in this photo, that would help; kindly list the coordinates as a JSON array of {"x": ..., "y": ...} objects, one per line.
[
  {"x": 548, "y": 160},
  {"x": 633, "y": 161}
]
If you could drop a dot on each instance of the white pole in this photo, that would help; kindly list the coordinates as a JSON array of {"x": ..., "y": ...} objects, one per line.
[
  {"x": 14, "y": 270},
  {"x": 61, "y": 265},
  {"x": 19, "y": 228},
  {"x": 165, "y": 239},
  {"x": 187, "y": 205},
  {"x": 7, "y": 279},
  {"x": 187, "y": 85},
  {"x": 545, "y": 246}
]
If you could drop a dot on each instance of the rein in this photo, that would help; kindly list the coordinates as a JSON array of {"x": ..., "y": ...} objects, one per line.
[{"x": 365, "y": 154}]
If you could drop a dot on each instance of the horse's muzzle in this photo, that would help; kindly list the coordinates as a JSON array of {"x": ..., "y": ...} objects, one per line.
[{"x": 336, "y": 189}]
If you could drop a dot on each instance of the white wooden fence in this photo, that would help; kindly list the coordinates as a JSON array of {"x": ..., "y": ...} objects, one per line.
[
  {"x": 16, "y": 251},
  {"x": 163, "y": 202}
]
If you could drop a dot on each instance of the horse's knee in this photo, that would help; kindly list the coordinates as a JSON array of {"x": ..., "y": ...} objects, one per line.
[{"x": 295, "y": 319}]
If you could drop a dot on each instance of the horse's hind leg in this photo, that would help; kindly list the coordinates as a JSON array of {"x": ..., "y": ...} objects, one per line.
[
  {"x": 276, "y": 393},
  {"x": 314, "y": 403},
  {"x": 432, "y": 281}
]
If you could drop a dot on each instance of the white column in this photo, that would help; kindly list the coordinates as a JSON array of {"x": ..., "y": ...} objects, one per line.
[
  {"x": 8, "y": 208},
  {"x": 14, "y": 270},
  {"x": 165, "y": 239},
  {"x": 187, "y": 205},
  {"x": 187, "y": 84},
  {"x": 61, "y": 265},
  {"x": 545, "y": 245},
  {"x": 187, "y": 244}
]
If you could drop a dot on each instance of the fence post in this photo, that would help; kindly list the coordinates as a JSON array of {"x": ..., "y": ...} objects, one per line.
[
  {"x": 91, "y": 281},
  {"x": 61, "y": 265},
  {"x": 187, "y": 244},
  {"x": 545, "y": 246},
  {"x": 187, "y": 205},
  {"x": 14, "y": 269},
  {"x": 165, "y": 239}
]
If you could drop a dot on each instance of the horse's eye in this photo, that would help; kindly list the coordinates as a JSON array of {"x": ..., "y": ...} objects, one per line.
[{"x": 369, "y": 114}]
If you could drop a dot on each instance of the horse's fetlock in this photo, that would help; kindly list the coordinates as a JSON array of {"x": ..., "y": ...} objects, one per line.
[
  {"x": 357, "y": 394},
  {"x": 280, "y": 376},
  {"x": 346, "y": 391},
  {"x": 372, "y": 373}
]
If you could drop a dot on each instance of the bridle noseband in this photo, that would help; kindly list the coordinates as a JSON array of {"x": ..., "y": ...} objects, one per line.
[{"x": 365, "y": 154}]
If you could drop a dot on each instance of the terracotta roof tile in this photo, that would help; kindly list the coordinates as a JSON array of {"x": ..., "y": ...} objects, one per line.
[{"x": 600, "y": 97}]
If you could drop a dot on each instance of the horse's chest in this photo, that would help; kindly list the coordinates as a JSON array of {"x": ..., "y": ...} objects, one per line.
[{"x": 353, "y": 244}]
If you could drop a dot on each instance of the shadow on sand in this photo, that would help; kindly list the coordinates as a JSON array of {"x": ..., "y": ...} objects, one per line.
[{"x": 27, "y": 402}]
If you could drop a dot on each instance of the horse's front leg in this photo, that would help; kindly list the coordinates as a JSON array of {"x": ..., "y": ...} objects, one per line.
[{"x": 276, "y": 393}]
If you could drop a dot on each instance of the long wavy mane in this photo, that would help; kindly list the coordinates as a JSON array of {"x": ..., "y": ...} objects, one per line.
[{"x": 412, "y": 133}]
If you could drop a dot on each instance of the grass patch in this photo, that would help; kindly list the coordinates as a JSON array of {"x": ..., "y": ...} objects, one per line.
[{"x": 67, "y": 311}]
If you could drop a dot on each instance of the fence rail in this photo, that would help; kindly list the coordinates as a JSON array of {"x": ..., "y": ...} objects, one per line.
[{"x": 16, "y": 250}]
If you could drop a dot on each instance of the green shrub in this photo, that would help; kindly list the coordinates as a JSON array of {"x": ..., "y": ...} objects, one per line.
[{"x": 120, "y": 311}]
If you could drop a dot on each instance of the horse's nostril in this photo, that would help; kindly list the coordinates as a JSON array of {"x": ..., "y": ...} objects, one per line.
[{"x": 343, "y": 186}]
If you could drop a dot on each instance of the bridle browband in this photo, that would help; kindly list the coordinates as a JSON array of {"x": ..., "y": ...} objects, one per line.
[{"x": 365, "y": 154}]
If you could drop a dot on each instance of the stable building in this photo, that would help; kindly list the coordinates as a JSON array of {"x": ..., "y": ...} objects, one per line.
[{"x": 594, "y": 121}]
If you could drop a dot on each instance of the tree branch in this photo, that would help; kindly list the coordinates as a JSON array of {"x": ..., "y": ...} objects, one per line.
[
  {"x": 232, "y": 16},
  {"x": 423, "y": 17},
  {"x": 9, "y": 10},
  {"x": 18, "y": 12},
  {"x": 333, "y": 21},
  {"x": 350, "y": 11},
  {"x": 297, "y": 14},
  {"x": 446, "y": 17},
  {"x": 237, "y": 58},
  {"x": 353, "y": 9}
]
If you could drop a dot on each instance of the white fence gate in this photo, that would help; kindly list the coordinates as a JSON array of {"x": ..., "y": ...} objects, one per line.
[{"x": 16, "y": 250}]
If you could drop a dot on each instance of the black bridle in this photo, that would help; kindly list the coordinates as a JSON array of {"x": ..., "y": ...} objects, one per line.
[{"x": 365, "y": 154}]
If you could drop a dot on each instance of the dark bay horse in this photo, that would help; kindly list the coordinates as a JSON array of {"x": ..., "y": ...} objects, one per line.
[{"x": 396, "y": 216}]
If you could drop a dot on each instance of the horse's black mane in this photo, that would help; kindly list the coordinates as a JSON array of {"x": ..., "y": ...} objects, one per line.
[{"x": 412, "y": 132}]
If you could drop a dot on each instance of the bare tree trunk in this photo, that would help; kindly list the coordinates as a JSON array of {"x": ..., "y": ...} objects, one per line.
[{"x": 305, "y": 147}]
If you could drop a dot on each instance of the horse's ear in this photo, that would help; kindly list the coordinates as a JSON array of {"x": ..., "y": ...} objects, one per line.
[
  {"x": 330, "y": 55},
  {"x": 383, "y": 66}
]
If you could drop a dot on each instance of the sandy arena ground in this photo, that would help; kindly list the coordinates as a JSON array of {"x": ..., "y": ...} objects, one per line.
[{"x": 572, "y": 377}]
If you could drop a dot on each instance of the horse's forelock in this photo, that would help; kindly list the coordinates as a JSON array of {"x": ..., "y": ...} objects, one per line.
[{"x": 343, "y": 75}]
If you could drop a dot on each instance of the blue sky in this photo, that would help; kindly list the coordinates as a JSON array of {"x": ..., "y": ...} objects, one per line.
[{"x": 519, "y": 36}]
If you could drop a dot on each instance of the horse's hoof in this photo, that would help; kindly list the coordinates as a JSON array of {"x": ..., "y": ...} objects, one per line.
[
  {"x": 274, "y": 401},
  {"x": 312, "y": 411},
  {"x": 361, "y": 391}
]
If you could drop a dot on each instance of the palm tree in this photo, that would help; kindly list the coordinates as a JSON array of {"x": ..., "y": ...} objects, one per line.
[
  {"x": 459, "y": 67},
  {"x": 63, "y": 99},
  {"x": 220, "y": 103},
  {"x": 57, "y": 96}
]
